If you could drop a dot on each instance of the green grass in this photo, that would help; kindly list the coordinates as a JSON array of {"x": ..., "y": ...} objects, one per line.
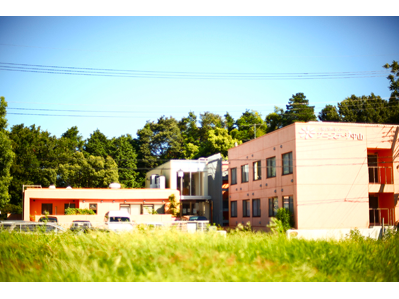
[{"x": 173, "y": 256}]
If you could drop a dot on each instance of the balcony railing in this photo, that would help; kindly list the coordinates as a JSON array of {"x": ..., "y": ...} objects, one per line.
[
  {"x": 380, "y": 175},
  {"x": 380, "y": 215}
]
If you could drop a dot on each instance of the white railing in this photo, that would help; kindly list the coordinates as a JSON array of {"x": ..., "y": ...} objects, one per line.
[{"x": 380, "y": 175}]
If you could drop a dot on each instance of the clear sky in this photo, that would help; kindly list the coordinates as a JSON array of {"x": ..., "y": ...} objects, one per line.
[{"x": 190, "y": 45}]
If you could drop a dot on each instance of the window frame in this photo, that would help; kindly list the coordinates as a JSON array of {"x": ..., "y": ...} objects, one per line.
[
  {"x": 254, "y": 201},
  {"x": 259, "y": 170},
  {"x": 289, "y": 200},
  {"x": 93, "y": 203},
  {"x": 271, "y": 168},
  {"x": 272, "y": 206},
  {"x": 290, "y": 164},
  {"x": 235, "y": 177},
  {"x": 246, "y": 208},
  {"x": 50, "y": 204},
  {"x": 242, "y": 172},
  {"x": 233, "y": 210}
]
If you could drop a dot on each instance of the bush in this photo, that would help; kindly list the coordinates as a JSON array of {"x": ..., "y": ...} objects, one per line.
[
  {"x": 76, "y": 211},
  {"x": 285, "y": 217}
]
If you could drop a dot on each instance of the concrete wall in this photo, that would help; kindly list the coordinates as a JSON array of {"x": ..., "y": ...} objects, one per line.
[{"x": 329, "y": 182}]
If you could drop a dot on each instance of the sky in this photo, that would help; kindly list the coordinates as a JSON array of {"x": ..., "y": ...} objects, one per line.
[{"x": 194, "y": 48}]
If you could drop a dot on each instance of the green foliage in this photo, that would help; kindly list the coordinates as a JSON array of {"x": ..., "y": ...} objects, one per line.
[
  {"x": 76, "y": 211},
  {"x": 276, "y": 226},
  {"x": 329, "y": 113},
  {"x": 285, "y": 217},
  {"x": 218, "y": 140},
  {"x": 394, "y": 88},
  {"x": 6, "y": 159},
  {"x": 298, "y": 109},
  {"x": 3, "y": 112},
  {"x": 174, "y": 206},
  {"x": 275, "y": 120},
  {"x": 12, "y": 209},
  {"x": 249, "y": 123}
]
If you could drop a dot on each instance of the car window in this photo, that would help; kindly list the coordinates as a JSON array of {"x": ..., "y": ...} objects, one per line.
[
  {"x": 119, "y": 219},
  {"x": 50, "y": 228},
  {"x": 28, "y": 227}
]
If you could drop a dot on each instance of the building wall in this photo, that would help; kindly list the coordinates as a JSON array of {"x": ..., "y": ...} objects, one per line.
[
  {"x": 329, "y": 183},
  {"x": 112, "y": 199}
]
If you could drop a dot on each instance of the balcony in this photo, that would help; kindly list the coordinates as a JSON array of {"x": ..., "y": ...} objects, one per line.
[
  {"x": 380, "y": 179},
  {"x": 381, "y": 216}
]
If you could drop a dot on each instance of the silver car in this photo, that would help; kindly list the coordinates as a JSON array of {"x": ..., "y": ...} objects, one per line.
[{"x": 30, "y": 227}]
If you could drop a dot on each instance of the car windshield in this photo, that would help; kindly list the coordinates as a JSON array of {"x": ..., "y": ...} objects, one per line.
[{"x": 119, "y": 219}]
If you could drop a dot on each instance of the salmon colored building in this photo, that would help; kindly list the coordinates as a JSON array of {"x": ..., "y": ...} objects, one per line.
[
  {"x": 140, "y": 203},
  {"x": 329, "y": 175}
]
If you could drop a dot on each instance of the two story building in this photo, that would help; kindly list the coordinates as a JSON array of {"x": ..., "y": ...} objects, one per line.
[
  {"x": 199, "y": 183},
  {"x": 329, "y": 175}
]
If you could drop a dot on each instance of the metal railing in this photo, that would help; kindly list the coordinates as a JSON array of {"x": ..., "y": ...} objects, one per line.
[
  {"x": 380, "y": 215},
  {"x": 380, "y": 175}
]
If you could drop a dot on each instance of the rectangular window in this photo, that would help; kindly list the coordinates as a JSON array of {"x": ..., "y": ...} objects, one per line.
[
  {"x": 234, "y": 176},
  {"x": 148, "y": 209},
  {"x": 47, "y": 208},
  {"x": 273, "y": 206},
  {"x": 244, "y": 173},
  {"x": 93, "y": 206},
  {"x": 69, "y": 206},
  {"x": 256, "y": 207},
  {"x": 271, "y": 167},
  {"x": 160, "y": 209},
  {"x": 287, "y": 163},
  {"x": 257, "y": 171},
  {"x": 233, "y": 209},
  {"x": 246, "y": 212},
  {"x": 288, "y": 203}
]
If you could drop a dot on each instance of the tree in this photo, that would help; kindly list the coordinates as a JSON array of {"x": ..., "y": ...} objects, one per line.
[
  {"x": 6, "y": 159},
  {"x": 329, "y": 113},
  {"x": 394, "y": 87},
  {"x": 229, "y": 122},
  {"x": 298, "y": 109},
  {"x": 275, "y": 120},
  {"x": 35, "y": 160},
  {"x": 247, "y": 124},
  {"x": 218, "y": 140},
  {"x": 365, "y": 109},
  {"x": 97, "y": 145},
  {"x": 3, "y": 112},
  {"x": 158, "y": 142},
  {"x": 125, "y": 156},
  {"x": 90, "y": 172}
]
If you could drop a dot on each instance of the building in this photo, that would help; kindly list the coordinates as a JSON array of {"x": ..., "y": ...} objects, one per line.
[
  {"x": 140, "y": 203},
  {"x": 200, "y": 183},
  {"x": 329, "y": 175}
]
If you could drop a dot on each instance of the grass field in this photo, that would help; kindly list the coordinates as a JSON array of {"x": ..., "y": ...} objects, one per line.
[{"x": 174, "y": 256}]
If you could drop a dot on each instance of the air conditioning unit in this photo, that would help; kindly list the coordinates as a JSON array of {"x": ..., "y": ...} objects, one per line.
[{"x": 153, "y": 181}]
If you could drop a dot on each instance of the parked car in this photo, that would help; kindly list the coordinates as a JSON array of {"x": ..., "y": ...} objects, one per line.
[
  {"x": 81, "y": 226},
  {"x": 30, "y": 227},
  {"x": 48, "y": 219},
  {"x": 197, "y": 218},
  {"x": 118, "y": 221}
]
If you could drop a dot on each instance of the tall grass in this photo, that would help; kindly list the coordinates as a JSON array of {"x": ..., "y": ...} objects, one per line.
[{"x": 174, "y": 256}]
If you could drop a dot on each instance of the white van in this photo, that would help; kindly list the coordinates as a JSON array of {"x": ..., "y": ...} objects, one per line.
[{"x": 118, "y": 221}]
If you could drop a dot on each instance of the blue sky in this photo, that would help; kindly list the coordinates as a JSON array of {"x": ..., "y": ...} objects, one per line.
[{"x": 184, "y": 44}]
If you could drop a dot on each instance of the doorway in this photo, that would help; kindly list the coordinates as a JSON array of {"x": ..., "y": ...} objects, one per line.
[{"x": 373, "y": 210}]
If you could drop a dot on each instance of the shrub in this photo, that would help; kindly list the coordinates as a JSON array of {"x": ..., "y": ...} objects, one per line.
[
  {"x": 285, "y": 217},
  {"x": 76, "y": 211},
  {"x": 276, "y": 226}
]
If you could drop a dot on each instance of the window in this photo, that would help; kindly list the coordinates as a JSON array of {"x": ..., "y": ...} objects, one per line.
[
  {"x": 288, "y": 203},
  {"x": 246, "y": 212},
  {"x": 256, "y": 207},
  {"x": 244, "y": 173},
  {"x": 160, "y": 209},
  {"x": 257, "y": 171},
  {"x": 234, "y": 176},
  {"x": 273, "y": 206},
  {"x": 69, "y": 206},
  {"x": 271, "y": 167},
  {"x": 47, "y": 207},
  {"x": 93, "y": 206},
  {"x": 233, "y": 208},
  {"x": 148, "y": 209},
  {"x": 287, "y": 163}
]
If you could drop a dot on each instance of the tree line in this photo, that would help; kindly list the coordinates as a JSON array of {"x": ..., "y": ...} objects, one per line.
[{"x": 31, "y": 156}]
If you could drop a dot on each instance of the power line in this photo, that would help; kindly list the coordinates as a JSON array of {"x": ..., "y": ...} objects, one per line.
[{"x": 185, "y": 75}]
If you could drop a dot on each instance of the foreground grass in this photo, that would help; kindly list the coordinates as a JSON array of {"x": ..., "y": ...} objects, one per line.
[{"x": 172, "y": 256}]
